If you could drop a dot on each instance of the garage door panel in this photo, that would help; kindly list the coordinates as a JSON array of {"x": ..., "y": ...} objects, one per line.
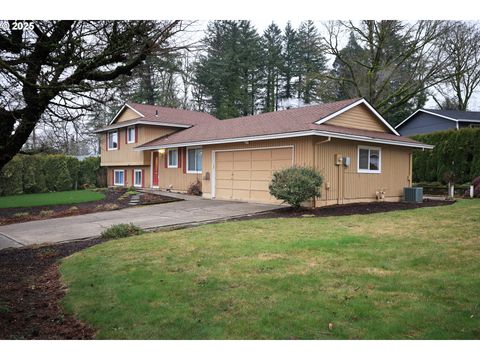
[
  {"x": 224, "y": 184},
  {"x": 261, "y": 154},
  {"x": 241, "y": 174},
  {"x": 246, "y": 175},
  {"x": 281, "y": 164},
  {"x": 282, "y": 154},
  {"x": 224, "y": 156},
  {"x": 242, "y": 156},
  {"x": 261, "y": 164},
  {"x": 224, "y": 193},
  {"x": 223, "y": 165},
  {"x": 242, "y": 165},
  {"x": 241, "y": 184},
  {"x": 241, "y": 194},
  {"x": 259, "y": 185},
  {"x": 261, "y": 175}
]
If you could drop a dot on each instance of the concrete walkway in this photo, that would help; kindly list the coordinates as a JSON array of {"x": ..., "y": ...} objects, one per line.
[{"x": 191, "y": 211}]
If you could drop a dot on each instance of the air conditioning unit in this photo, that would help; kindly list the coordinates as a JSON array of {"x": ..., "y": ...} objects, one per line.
[{"x": 413, "y": 194}]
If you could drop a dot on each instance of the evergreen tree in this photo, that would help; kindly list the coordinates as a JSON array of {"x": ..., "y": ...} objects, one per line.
[
  {"x": 229, "y": 75},
  {"x": 311, "y": 62},
  {"x": 272, "y": 54},
  {"x": 289, "y": 56}
]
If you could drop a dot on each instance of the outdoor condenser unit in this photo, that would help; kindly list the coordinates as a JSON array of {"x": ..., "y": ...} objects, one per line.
[{"x": 413, "y": 194}]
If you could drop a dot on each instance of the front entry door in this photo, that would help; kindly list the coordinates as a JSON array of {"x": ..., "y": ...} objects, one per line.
[{"x": 155, "y": 169}]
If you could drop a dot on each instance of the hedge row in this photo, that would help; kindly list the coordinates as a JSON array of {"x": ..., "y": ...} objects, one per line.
[
  {"x": 43, "y": 173},
  {"x": 456, "y": 152}
]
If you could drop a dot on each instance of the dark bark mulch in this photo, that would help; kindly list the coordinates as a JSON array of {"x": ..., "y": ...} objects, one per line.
[
  {"x": 347, "y": 209},
  {"x": 31, "y": 292},
  {"x": 114, "y": 200}
]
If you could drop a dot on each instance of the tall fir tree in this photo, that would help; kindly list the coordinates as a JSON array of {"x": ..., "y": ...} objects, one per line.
[
  {"x": 311, "y": 61},
  {"x": 289, "y": 57},
  {"x": 272, "y": 55},
  {"x": 229, "y": 74}
]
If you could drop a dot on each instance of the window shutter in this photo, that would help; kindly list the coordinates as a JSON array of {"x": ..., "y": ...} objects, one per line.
[
  {"x": 143, "y": 178},
  {"x": 113, "y": 177},
  {"x": 126, "y": 135},
  {"x": 166, "y": 158},
  {"x": 133, "y": 177},
  {"x": 179, "y": 158},
  {"x": 136, "y": 134},
  {"x": 125, "y": 182},
  {"x": 185, "y": 160},
  {"x": 106, "y": 141},
  {"x": 118, "y": 139}
]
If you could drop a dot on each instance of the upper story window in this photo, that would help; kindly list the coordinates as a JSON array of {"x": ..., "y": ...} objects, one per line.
[
  {"x": 130, "y": 134},
  {"x": 194, "y": 160},
  {"x": 113, "y": 140},
  {"x": 172, "y": 158},
  {"x": 369, "y": 159}
]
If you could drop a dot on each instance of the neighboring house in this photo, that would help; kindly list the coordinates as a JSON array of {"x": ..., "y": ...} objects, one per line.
[
  {"x": 424, "y": 121},
  {"x": 359, "y": 154}
]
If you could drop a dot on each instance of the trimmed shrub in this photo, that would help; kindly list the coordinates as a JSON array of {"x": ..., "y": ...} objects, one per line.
[
  {"x": 33, "y": 175},
  {"x": 295, "y": 185},
  {"x": 121, "y": 231},
  {"x": 88, "y": 169},
  {"x": 11, "y": 180},
  {"x": 57, "y": 176},
  {"x": 456, "y": 154},
  {"x": 73, "y": 166}
]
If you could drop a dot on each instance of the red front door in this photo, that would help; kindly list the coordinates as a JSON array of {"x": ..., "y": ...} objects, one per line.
[{"x": 155, "y": 169}]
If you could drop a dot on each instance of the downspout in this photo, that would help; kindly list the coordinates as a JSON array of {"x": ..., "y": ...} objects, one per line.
[{"x": 315, "y": 165}]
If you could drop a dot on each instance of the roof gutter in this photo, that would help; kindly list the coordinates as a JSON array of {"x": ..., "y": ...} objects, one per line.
[{"x": 289, "y": 135}]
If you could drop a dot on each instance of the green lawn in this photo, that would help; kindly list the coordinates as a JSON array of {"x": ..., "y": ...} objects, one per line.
[
  {"x": 53, "y": 198},
  {"x": 400, "y": 275}
]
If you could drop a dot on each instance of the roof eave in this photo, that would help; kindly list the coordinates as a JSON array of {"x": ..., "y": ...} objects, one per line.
[{"x": 288, "y": 135}]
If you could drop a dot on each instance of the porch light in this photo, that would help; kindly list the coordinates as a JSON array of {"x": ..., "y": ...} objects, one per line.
[{"x": 161, "y": 151}]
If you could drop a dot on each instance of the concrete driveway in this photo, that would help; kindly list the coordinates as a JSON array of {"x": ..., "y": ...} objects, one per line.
[{"x": 192, "y": 210}]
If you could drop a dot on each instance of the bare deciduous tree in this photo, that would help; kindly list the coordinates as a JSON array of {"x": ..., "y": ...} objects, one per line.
[
  {"x": 55, "y": 69},
  {"x": 462, "y": 44}
]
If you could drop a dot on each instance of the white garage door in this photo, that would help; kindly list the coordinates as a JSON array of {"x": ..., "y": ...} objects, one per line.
[{"x": 245, "y": 175}]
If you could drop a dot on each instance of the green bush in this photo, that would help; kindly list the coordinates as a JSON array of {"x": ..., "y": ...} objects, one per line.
[
  {"x": 57, "y": 176},
  {"x": 88, "y": 171},
  {"x": 121, "y": 231},
  {"x": 11, "y": 181},
  {"x": 295, "y": 185},
  {"x": 73, "y": 166},
  {"x": 33, "y": 175},
  {"x": 456, "y": 151}
]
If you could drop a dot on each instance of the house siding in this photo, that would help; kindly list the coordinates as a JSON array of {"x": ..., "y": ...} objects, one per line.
[
  {"x": 129, "y": 173},
  {"x": 126, "y": 155},
  {"x": 359, "y": 117},
  {"x": 127, "y": 114},
  {"x": 345, "y": 184},
  {"x": 423, "y": 123}
]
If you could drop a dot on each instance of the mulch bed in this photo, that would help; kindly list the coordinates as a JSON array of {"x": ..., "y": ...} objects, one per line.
[
  {"x": 31, "y": 292},
  {"x": 114, "y": 200},
  {"x": 347, "y": 209}
]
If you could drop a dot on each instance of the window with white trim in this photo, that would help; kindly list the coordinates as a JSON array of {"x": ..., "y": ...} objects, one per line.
[
  {"x": 369, "y": 160},
  {"x": 118, "y": 177},
  {"x": 131, "y": 134},
  {"x": 172, "y": 158},
  {"x": 137, "y": 178},
  {"x": 194, "y": 160},
  {"x": 113, "y": 140}
]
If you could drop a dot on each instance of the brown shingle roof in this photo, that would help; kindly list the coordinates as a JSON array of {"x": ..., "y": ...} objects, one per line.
[
  {"x": 280, "y": 122},
  {"x": 171, "y": 115}
]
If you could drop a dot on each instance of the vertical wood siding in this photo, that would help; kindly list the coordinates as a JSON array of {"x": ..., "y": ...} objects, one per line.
[
  {"x": 359, "y": 117},
  {"x": 344, "y": 185}
]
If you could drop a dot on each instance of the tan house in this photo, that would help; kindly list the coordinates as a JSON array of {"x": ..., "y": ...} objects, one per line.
[{"x": 361, "y": 157}]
